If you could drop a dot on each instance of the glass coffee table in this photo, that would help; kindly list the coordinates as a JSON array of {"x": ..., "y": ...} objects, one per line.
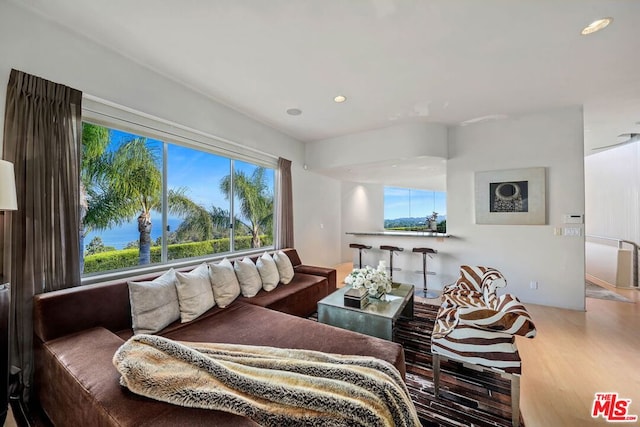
[{"x": 377, "y": 319}]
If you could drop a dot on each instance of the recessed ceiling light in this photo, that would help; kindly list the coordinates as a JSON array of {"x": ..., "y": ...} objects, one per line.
[
  {"x": 340, "y": 98},
  {"x": 294, "y": 111},
  {"x": 596, "y": 25}
]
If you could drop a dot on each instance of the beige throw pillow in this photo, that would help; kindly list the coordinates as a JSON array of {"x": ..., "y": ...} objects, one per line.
[
  {"x": 248, "y": 276},
  {"x": 268, "y": 272},
  {"x": 224, "y": 282},
  {"x": 285, "y": 268},
  {"x": 154, "y": 304},
  {"x": 194, "y": 293}
]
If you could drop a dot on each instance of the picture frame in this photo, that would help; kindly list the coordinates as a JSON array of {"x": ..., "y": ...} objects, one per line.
[{"x": 511, "y": 196}]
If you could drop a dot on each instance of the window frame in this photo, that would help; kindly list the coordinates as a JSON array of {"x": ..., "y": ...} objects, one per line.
[
  {"x": 409, "y": 189},
  {"x": 113, "y": 116}
]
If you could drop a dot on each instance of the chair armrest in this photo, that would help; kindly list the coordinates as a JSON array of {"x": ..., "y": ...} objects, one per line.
[
  {"x": 512, "y": 318},
  {"x": 329, "y": 273}
]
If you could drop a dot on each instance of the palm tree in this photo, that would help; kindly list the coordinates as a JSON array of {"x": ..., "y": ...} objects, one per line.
[
  {"x": 135, "y": 182},
  {"x": 200, "y": 224},
  {"x": 256, "y": 201},
  {"x": 117, "y": 185},
  {"x": 95, "y": 140}
]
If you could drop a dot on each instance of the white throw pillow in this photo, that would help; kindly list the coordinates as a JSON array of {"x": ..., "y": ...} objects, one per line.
[
  {"x": 194, "y": 292},
  {"x": 224, "y": 282},
  {"x": 268, "y": 272},
  {"x": 248, "y": 276},
  {"x": 285, "y": 268},
  {"x": 154, "y": 304}
]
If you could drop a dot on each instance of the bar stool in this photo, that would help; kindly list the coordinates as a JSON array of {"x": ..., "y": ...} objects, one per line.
[
  {"x": 359, "y": 247},
  {"x": 424, "y": 292},
  {"x": 391, "y": 250}
]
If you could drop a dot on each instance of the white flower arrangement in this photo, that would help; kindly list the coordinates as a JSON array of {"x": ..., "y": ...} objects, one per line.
[{"x": 375, "y": 281}]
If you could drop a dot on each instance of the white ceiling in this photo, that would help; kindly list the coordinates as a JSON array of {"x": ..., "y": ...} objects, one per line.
[{"x": 397, "y": 61}]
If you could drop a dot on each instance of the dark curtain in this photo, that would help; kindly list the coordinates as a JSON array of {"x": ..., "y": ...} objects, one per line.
[
  {"x": 284, "y": 210},
  {"x": 42, "y": 128}
]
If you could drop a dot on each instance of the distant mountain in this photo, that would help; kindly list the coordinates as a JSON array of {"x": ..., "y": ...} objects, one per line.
[{"x": 409, "y": 222}]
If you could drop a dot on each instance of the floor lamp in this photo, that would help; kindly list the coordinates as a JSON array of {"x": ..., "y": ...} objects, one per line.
[{"x": 8, "y": 202}]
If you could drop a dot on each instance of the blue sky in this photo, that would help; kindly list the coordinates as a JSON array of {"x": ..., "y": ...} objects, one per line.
[
  {"x": 406, "y": 203},
  {"x": 198, "y": 172}
]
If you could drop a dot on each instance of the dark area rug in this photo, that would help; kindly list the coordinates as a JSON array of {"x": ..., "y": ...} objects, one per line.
[{"x": 468, "y": 397}]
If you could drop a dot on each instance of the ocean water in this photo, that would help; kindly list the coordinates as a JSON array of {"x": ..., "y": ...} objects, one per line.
[{"x": 118, "y": 237}]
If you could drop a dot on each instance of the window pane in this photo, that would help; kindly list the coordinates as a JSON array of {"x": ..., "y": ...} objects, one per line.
[
  {"x": 121, "y": 199},
  {"x": 122, "y": 202},
  {"x": 198, "y": 203},
  {"x": 407, "y": 209},
  {"x": 252, "y": 205}
]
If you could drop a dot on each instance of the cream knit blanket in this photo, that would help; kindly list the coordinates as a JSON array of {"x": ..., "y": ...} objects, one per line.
[{"x": 272, "y": 386}]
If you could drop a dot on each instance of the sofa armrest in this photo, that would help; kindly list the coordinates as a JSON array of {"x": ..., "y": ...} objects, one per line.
[
  {"x": 71, "y": 310},
  {"x": 329, "y": 273}
]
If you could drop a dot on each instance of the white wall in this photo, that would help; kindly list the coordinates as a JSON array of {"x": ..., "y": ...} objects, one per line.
[
  {"x": 32, "y": 44},
  {"x": 362, "y": 210},
  {"x": 612, "y": 193},
  {"x": 317, "y": 218},
  {"x": 394, "y": 142},
  {"x": 553, "y": 140},
  {"x": 612, "y": 200},
  {"x": 550, "y": 139}
]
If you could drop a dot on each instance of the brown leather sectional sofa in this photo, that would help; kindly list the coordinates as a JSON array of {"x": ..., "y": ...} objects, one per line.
[{"x": 78, "y": 330}]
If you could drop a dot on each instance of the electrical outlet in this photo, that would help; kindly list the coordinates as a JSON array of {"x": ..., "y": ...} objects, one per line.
[{"x": 533, "y": 284}]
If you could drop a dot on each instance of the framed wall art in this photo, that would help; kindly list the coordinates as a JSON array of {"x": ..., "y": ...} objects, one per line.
[{"x": 512, "y": 196}]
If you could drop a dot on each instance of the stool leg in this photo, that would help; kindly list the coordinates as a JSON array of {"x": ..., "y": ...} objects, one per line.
[
  {"x": 391, "y": 264},
  {"x": 424, "y": 292},
  {"x": 424, "y": 271},
  {"x": 360, "y": 250}
]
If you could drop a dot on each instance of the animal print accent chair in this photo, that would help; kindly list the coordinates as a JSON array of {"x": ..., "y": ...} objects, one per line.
[{"x": 476, "y": 326}]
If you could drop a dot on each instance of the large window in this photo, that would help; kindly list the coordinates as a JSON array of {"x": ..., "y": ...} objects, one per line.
[
  {"x": 147, "y": 201},
  {"x": 407, "y": 209}
]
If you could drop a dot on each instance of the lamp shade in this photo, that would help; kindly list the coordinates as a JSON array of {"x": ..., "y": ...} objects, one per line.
[{"x": 8, "y": 200}]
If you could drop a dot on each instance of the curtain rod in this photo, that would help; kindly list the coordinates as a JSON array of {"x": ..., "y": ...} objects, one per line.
[{"x": 169, "y": 123}]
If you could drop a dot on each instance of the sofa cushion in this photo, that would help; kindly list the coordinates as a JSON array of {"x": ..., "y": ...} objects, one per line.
[
  {"x": 243, "y": 323},
  {"x": 299, "y": 297},
  {"x": 268, "y": 272},
  {"x": 285, "y": 268},
  {"x": 76, "y": 380},
  {"x": 248, "y": 276},
  {"x": 195, "y": 294},
  {"x": 224, "y": 282},
  {"x": 154, "y": 304}
]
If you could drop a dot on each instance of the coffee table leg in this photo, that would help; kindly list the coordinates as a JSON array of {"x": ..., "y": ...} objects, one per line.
[{"x": 408, "y": 309}]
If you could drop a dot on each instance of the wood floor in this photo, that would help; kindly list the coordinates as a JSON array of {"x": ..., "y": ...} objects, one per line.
[{"x": 575, "y": 355}]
